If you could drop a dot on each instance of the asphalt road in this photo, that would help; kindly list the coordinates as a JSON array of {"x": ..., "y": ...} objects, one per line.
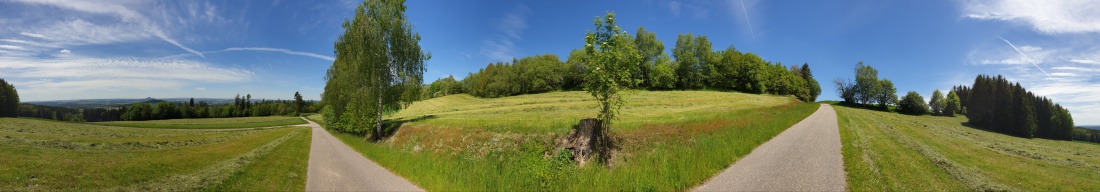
[
  {"x": 805, "y": 157},
  {"x": 333, "y": 166}
]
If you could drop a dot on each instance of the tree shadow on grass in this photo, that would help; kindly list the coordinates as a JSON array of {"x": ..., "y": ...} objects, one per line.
[{"x": 390, "y": 126}]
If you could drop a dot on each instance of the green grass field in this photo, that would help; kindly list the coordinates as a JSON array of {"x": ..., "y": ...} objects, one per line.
[
  {"x": 47, "y": 156},
  {"x": 209, "y": 123},
  {"x": 669, "y": 140},
  {"x": 893, "y": 152}
]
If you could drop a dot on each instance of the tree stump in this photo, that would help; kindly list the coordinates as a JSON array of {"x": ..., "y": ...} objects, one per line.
[{"x": 583, "y": 141}]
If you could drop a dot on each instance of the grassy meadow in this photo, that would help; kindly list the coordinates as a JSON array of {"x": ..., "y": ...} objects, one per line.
[
  {"x": 210, "y": 123},
  {"x": 49, "y": 156},
  {"x": 558, "y": 111},
  {"x": 893, "y": 152},
  {"x": 668, "y": 140}
]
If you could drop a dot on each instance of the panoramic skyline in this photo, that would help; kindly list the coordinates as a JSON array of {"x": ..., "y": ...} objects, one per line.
[{"x": 59, "y": 50}]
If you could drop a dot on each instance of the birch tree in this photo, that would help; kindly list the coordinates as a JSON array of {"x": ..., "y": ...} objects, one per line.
[{"x": 379, "y": 67}]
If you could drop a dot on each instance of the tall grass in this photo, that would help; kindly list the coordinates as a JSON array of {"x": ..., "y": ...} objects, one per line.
[
  {"x": 893, "y": 152},
  {"x": 665, "y": 145}
]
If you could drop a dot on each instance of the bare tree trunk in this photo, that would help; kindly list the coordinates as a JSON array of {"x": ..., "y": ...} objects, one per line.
[{"x": 378, "y": 117}]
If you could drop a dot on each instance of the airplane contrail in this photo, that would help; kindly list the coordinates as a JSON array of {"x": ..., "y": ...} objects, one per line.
[
  {"x": 1025, "y": 56},
  {"x": 746, "y": 11}
]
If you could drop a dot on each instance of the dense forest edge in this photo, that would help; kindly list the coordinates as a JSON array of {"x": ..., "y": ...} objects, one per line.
[{"x": 692, "y": 66}]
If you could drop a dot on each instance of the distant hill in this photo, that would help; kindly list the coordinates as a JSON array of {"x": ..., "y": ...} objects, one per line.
[
  {"x": 99, "y": 103},
  {"x": 1093, "y": 127}
]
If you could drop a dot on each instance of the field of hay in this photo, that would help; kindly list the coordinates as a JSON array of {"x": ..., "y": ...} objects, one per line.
[
  {"x": 894, "y": 152},
  {"x": 48, "y": 155},
  {"x": 210, "y": 123}
]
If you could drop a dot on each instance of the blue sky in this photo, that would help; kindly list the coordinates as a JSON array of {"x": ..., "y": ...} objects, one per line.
[{"x": 52, "y": 49}]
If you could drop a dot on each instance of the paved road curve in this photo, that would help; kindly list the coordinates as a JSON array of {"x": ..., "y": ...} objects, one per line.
[
  {"x": 805, "y": 157},
  {"x": 333, "y": 166}
]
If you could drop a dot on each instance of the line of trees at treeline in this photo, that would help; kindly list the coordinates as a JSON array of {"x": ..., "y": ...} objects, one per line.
[
  {"x": 991, "y": 103},
  {"x": 1083, "y": 134},
  {"x": 696, "y": 66},
  {"x": 157, "y": 110},
  {"x": 994, "y": 103}
]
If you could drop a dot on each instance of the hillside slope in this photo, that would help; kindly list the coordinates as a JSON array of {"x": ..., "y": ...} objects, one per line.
[
  {"x": 535, "y": 113},
  {"x": 893, "y": 152}
]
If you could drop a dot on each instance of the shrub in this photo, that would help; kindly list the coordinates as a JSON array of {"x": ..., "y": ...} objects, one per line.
[{"x": 912, "y": 104}]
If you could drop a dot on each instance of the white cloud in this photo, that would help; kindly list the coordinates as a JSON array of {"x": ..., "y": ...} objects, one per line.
[
  {"x": 40, "y": 36},
  {"x": 65, "y": 51},
  {"x": 1028, "y": 48},
  {"x": 132, "y": 68},
  {"x": 1064, "y": 74},
  {"x": 12, "y": 47},
  {"x": 134, "y": 25},
  {"x": 502, "y": 47},
  {"x": 1085, "y": 61},
  {"x": 1051, "y": 16},
  {"x": 200, "y": 88},
  {"x": 1077, "y": 69},
  {"x": 498, "y": 50}
]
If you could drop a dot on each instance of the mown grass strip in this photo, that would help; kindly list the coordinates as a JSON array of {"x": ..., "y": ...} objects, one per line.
[
  {"x": 675, "y": 157},
  {"x": 28, "y": 167},
  {"x": 225, "y": 123},
  {"x": 216, "y": 174},
  {"x": 282, "y": 169},
  {"x": 940, "y": 153}
]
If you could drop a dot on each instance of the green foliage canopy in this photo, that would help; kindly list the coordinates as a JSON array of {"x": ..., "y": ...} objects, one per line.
[{"x": 912, "y": 104}]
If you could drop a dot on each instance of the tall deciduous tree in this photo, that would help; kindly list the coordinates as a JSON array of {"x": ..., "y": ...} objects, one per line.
[
  {"x": 912, "y": 104},
  {"x": 651, "y": 50},
  {"x": 887, "y": 94},
  {"x": 379, "y": 66},
  {"x": 866, "y": 83},
  {"x": 937, "y": 102},
  {"x": 951, "y": 105},
  {"x": 609, "y": 57}
]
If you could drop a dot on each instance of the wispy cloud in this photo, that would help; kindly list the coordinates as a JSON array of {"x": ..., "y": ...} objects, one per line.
[
  {"x": 269, "y": 49},
  {"x": 39, "y": 79},
  {"x": 314, "y": 55},
  {"x": 747, "y": 22},
  {"x": 1051, "y": 17},
  {"x": 106, "y": 68},
  {"x": 674, "y": 8},
  {"x": 12, "y": 47},
  {"x": 40, "y": 36},
  {"x": 502, "y": 47},
  {"x": 1085, "y": 61},
  {"x": 1025, "y": 56},
  {"x": 132, "y": 21}
]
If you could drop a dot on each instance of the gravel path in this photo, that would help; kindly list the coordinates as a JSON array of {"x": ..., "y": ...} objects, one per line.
[
  {"x": 333, "y": 166},
  {"x": 805, "y": 157}
]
